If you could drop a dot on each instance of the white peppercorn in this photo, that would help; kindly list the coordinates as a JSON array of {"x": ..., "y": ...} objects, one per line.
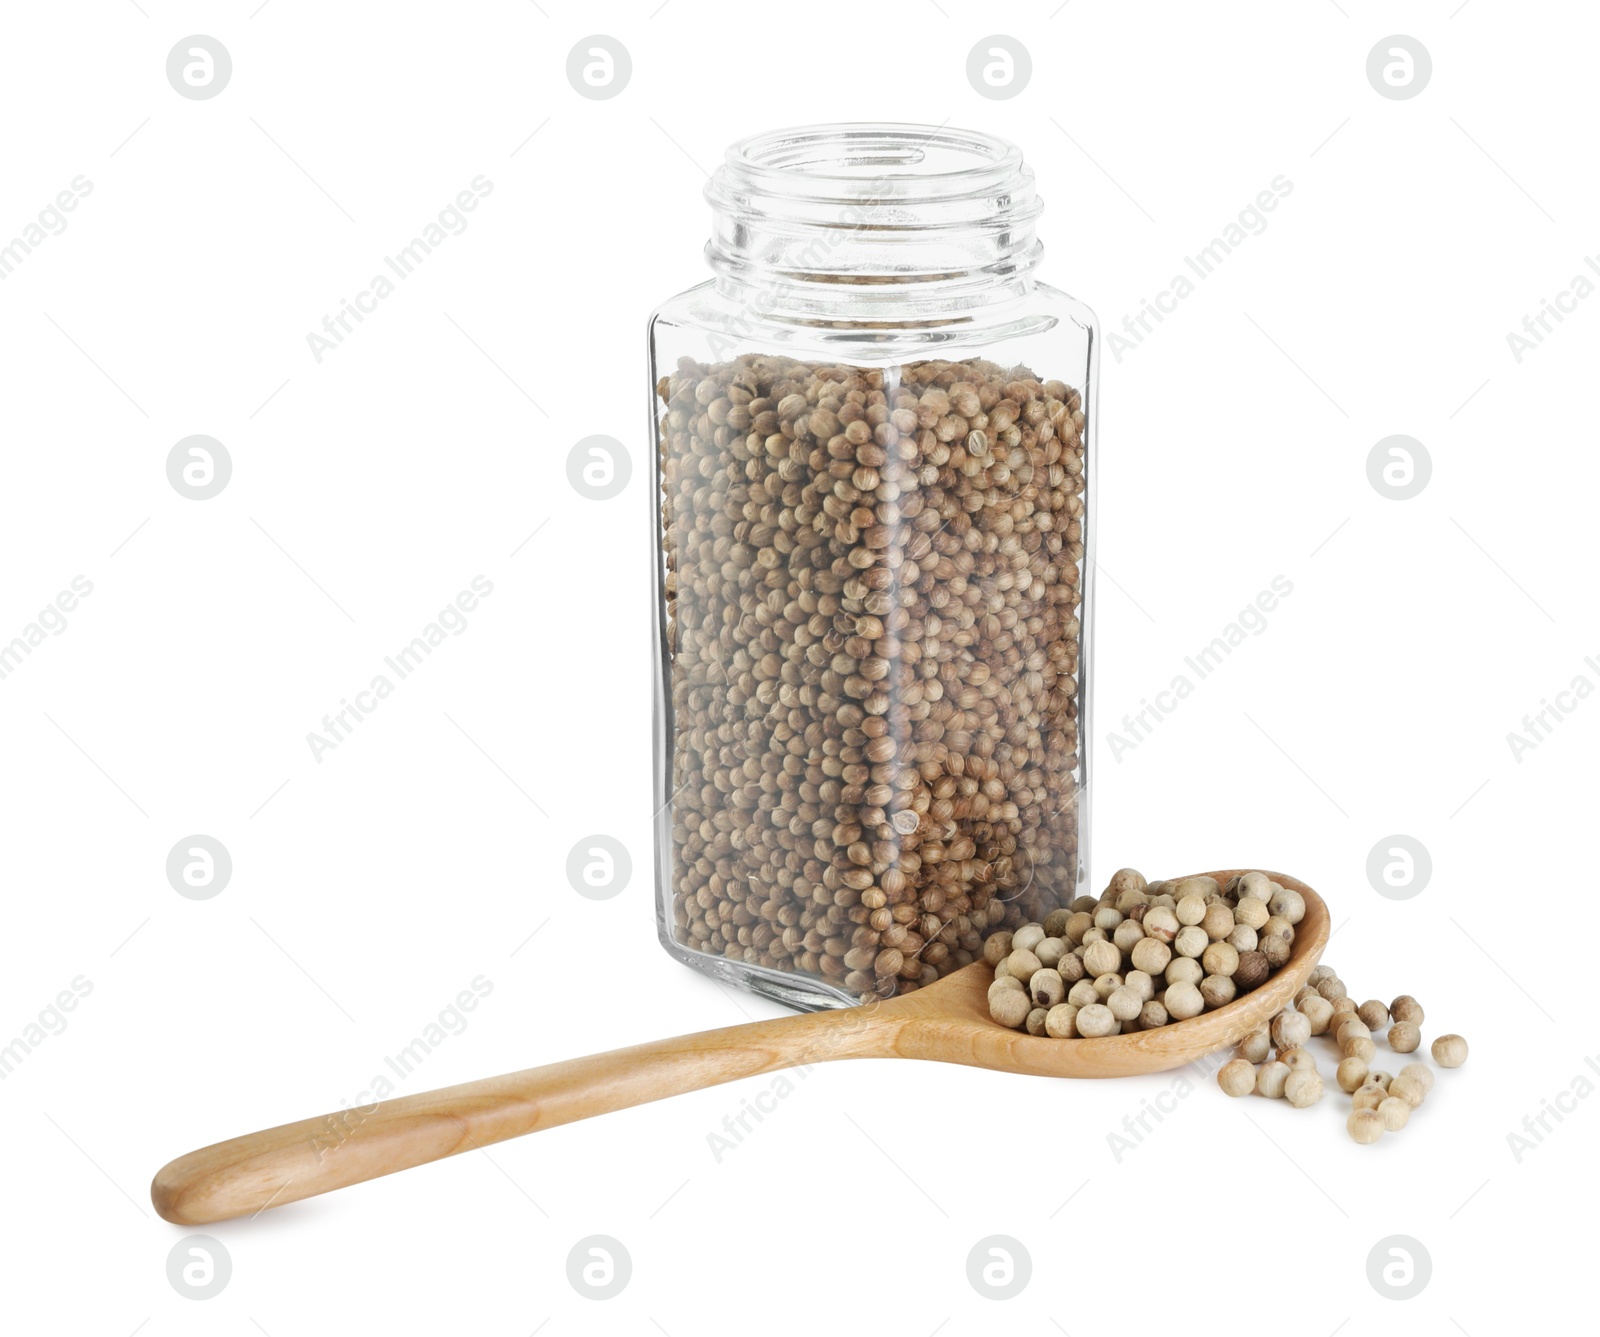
[
  {"x": 1107, "y": 984},
  {"x": 1060, "y": 1021},
  {"x": 1420, "y": 1073},
  {"x": 1102, "y": 958},
  {"x": 1255, "y": 1047},
  {"x": 1271, "y": 1078},
  {"x": 1027, "y": 937},
  {"x": 1350, "y": 1073},
  {"x": 1128, "y": 935},
  {"x": 1287, "y": 904},
  {"x": 1360, "y": 1047},
  {"x": 1319, "y": 1012},
  {"x": 996, "y": 947},
  {"x": 1191, "y": 941},
  {"x": 1218, "y": 921},
  {"x": 1217, "y": 990},
  {"x": 1406, "y": 1008},
  {"x": 1183, "y": 1001},
  {"x": 1183, "y": 970},
  {"x": 1035, "y": 1021},
  {"x": 1405, "y": 1036},
  {"x": 1070, "y": 968},
  {"x": 1450, "y": 1051},
  {"x": 1153, "y": 1014},
  {"x": 1298, "y": 1059},
  {"x": 1374, "y": 1015},
  {"x": 1237, "y": 1078},
  {"x": 1365, "y": 1125},
  {"x": 1141, "y": 983},
  {"x": 1408, "y": 1089},
  {"x": 1196, "y": 886},
  {"x": 1252, "y": 913},
  {"x": 1191, "y": 910},
  {"x": 1022, "y": 963},
  {"x": 1150, "y": 955},
  {"x": 1368, "y": 1096},
  {"x": 1321, "y": 971},
  {"x": 1274, "y": 950},
  {"x": 1078, "y": 923},
  {"x": 1290, "y": 1030},
  {"x": 1083, "y": 993},
  {"x": 1161, "y": 924},
  {"x": 1108, "y": 918},
  {"x": 1350, "y": 1028},
  {"x": 1051, "y": 950},
  {"x": 1124, "y": 1004},
  {"x": 1333, "y": 989},
  {"x": 1055, "y": 923},
  {"x": 1126, "y": 879},
  {"x": 1010, "y": 1007},
  {"x": 1395, "y": 1113},
  {"x": 1096, "y": 1020},
  {"x": 1303, "y": 1088},
  {"x": 1047, "y": 987},
  {"x": 1279, "y": 927},
  {"x": 1378, "y": 1077},
  {"x": 1243, "y": 938},
  {"x": 1219, "y": 958},
  {"x": 1257, "y": 886}
]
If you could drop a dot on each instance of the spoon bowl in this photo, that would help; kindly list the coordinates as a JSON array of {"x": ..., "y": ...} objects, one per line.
[{"x": 945, "y": 1022}]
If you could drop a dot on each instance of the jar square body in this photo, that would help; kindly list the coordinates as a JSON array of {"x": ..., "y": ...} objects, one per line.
[{"x": 874, "y": 529}]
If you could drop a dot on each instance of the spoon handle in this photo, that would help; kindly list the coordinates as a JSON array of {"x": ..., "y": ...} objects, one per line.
[{"x": 245, "y": 1175}]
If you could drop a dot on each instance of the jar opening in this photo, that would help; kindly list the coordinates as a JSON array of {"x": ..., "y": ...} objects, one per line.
[{"x": 862, "y": 213}]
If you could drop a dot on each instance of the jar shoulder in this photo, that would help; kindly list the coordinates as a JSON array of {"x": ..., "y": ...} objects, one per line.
[{"x": 732, "y": 321}]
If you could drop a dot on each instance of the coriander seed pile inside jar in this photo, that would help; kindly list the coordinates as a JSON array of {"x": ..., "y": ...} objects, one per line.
[{"x": 875, "y": 432}]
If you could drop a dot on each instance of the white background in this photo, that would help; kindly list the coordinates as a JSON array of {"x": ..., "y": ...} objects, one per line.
[{"x": 369, "y": 888}]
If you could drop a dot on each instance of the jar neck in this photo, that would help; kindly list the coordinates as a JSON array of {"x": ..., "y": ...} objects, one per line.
[{"x": 873, "y": 224}]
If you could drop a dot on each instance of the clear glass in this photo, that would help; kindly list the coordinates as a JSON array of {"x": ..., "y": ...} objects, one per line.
[{"x": 874, "y": 585}]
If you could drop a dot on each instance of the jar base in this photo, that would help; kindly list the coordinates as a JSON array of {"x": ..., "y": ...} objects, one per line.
[{"x": 796, "y": 991}]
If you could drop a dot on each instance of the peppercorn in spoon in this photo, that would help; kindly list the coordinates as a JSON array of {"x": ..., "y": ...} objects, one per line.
[{"x": 945, "y": 1022}]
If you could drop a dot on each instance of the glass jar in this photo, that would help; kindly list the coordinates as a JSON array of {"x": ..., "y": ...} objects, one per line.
[{"x": 875, "y": 433}]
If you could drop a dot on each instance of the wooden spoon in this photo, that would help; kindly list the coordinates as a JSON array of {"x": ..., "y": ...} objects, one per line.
[{"x": 947, "y": 1022}]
